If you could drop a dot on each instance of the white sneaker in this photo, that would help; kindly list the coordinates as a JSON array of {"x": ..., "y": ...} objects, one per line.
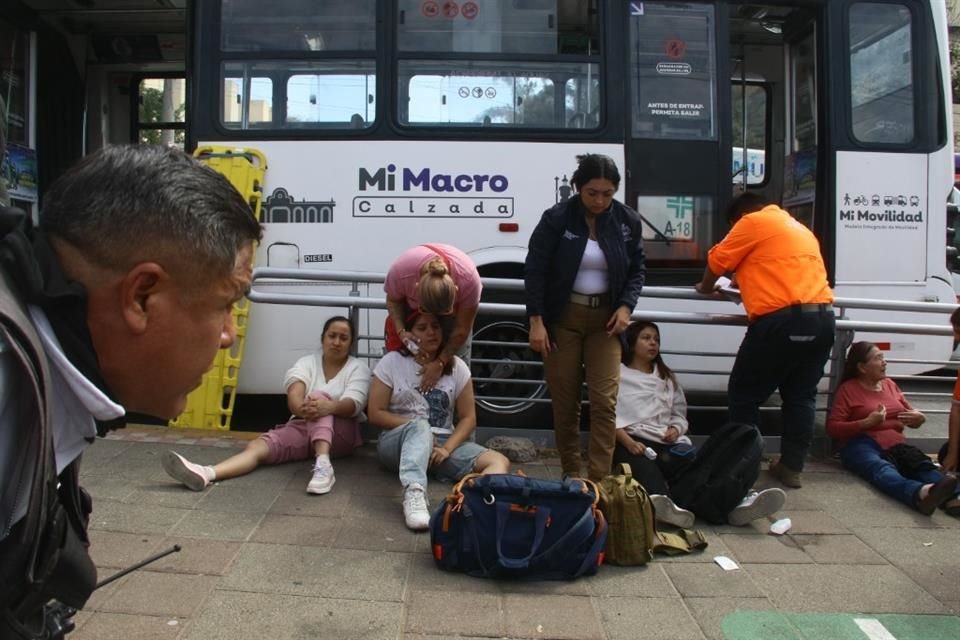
[
  {"x": 322, "y": 480},
  {"x": 667, "y": 512},
  {"x": 757, "y": 505},
  {"x": 415, "y": 508},
  {"x": 191, "y": 475}
]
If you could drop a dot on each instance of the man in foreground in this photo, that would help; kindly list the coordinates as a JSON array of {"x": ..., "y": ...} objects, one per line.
[{"x": 116, "y": 303}]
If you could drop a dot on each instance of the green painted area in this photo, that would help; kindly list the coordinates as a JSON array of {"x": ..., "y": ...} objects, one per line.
[{"x": 769, "y": 625}]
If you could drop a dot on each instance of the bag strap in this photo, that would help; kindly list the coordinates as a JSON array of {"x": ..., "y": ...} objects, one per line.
[
  {"x": 625, "y": 470},
  {"x": 684, "y": 541},
  {"x": 541, "y": 517}
]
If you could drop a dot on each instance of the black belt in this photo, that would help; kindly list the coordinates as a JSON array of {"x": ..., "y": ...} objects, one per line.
[
  {"x": 594, "y": 302},
  {"x": 796, "y": 309}
]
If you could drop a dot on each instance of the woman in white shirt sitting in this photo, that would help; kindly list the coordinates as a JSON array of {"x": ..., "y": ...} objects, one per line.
[
  {"x": 652, "y": 415},
  {"x": 419, "y": 432},
  {"x": 326, "y": 393}
]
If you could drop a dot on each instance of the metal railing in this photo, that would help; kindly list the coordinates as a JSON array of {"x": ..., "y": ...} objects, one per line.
[{"x": 846, "y": 329}]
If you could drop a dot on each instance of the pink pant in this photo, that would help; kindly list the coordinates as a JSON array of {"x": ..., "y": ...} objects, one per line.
[{"x": 295, "y": 439}]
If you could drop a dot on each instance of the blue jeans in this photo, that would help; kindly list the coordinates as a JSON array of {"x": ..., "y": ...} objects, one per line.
[
  {"x": 784, "y": 350},
  {"x": 864, "y": 457},
  {"x": 407, "y": 449}
]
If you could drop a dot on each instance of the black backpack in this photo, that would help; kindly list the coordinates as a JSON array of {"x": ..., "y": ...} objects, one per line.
[{"x": 722, "y": 472}]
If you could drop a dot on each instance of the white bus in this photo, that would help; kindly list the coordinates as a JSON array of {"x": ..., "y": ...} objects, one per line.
[{"x": 387, "y": 123}]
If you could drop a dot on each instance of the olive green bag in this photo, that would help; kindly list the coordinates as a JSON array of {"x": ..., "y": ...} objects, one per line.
[{"x": 632, "y": 536}]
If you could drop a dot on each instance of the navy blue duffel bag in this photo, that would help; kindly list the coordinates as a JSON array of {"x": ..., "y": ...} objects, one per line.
[{"x": 512, "y": 526}]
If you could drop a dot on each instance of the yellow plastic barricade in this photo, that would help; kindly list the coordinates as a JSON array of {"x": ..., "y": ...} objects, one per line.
[{"x": 210, "y": 406}]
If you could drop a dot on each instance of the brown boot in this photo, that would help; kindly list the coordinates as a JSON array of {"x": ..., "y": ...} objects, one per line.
[{"x": 787, "y": 476}]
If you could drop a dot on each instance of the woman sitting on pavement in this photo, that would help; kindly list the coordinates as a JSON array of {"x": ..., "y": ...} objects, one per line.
[
  {"x": 652, "y": 414},
  {"x": 867, "y": 420},
  {"x": 326, "y": 393},
  {"x": 419, "y": 432}
]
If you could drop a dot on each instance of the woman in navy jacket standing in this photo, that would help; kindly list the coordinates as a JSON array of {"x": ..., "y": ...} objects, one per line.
[{"x": 583, "y": 273}]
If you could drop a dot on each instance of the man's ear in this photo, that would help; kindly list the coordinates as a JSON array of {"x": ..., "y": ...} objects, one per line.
[{"x": 138, "y": 290}]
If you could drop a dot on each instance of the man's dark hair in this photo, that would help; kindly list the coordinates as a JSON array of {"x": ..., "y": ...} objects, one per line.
[
  {"x": 127, "y": 204},
  {"x": 746, "y": 202}
]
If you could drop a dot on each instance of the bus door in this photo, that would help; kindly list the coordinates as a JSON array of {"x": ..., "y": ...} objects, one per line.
[{"x": 675, "y": 175}]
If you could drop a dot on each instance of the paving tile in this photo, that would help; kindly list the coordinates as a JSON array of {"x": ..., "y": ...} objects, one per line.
[
  {"x": 578, "y": 587},
  {"x": 421, "y": 636},
  {"x": 444, "y": 614},
  {"x": 812, "y": 522},
  {"x": 376, "y": 535},
  {"x": 647, "y": 619},
  {"x": 297, "y": 502},
  {"x": 120, "y": 550},
  {"x": 121, "y": 626},
  {"x": 164, "y": 494},
  {"x": 229, "y": 496},
  {"x": 751, "y": 549},
  {"x": 197, "y": 555},
  {"x": 217, "y": 525},
  {"x": 107, "y": 487},
  {"x": 160, "y": 594},
  {"x": 709, "y": 580},
  {"x": 103, "y": 451},
  {"x": 648, "y": 581},
  {"x": 229, "y": 615},
  {"x": 710, "y": 612},
  {"x": 376, "y": 507},
  {"x": 426, "y": 576},
  {"x": 319, "y": 571},
  {"x": 378, "y": 484},
  {"x": 837, "y": 549},
  {"x": 560, "y": 617},
  {"x": 111, "y": 515},
  {"x": 940, "y": 581},
  {"x": 877, "y": 589},
  {"x": 930, "y": 546},
  {"x": 297, "y": 530}
]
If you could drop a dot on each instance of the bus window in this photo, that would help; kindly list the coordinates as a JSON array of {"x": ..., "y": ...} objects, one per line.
[
  {"x": 515, "y": 94},
  {"x": 485, "y": 76},
  {"x": 677, "y": 227},
  {"x": 328, "y": 97},
  {"x": 749, "y": 133},
  {"x": 161, "y": 111},
  {"x": 247, "y": 98},
  {"x": 497, "y": 26},
  {"x": 673, "y": 92},
  {"x": 294, "y": 25},
  {"x": 881, "y": 73}
]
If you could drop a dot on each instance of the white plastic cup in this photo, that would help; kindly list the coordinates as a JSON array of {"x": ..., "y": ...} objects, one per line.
[{"x": 781, "y": 526}]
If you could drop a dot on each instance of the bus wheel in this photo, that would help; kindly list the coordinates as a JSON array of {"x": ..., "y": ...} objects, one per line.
[{"x": 508, "y": 377}]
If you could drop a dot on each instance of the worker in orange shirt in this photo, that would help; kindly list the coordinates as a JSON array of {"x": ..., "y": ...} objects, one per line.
[{"x": 783, "y": 283}]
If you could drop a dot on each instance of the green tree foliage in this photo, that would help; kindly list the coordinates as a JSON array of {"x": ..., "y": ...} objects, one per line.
[{"x": 151, "y": 111}]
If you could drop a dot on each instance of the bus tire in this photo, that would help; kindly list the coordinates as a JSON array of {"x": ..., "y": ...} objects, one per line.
[{"x": 502, "y": 401}]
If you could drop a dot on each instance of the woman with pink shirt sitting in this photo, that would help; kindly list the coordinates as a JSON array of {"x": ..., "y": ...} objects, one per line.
[
  {"x": 441, "y": 280},
  {"x": 867, "y": 420}
]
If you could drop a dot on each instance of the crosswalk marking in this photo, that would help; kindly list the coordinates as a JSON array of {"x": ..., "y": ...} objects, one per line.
[{"x": 873, "y": 629}]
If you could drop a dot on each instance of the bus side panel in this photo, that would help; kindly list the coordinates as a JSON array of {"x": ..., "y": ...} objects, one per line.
[{"x": 371, "y": 201}]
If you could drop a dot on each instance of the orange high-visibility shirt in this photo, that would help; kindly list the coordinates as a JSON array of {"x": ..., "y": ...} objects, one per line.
[{"x": 777, "y": 261}]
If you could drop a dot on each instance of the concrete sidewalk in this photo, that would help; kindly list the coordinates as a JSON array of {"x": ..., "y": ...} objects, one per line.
[{"x": 262, "y": 559}]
